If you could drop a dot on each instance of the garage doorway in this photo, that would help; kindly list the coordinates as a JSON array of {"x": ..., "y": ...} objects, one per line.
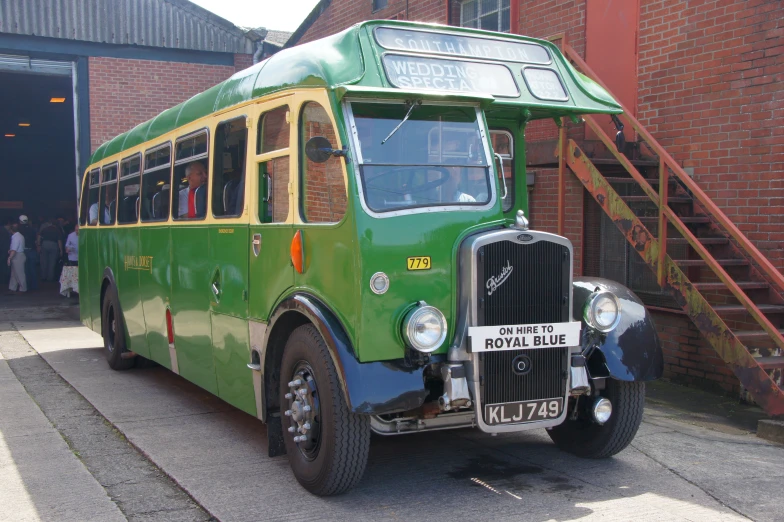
[{"x": 38, "y": 138}]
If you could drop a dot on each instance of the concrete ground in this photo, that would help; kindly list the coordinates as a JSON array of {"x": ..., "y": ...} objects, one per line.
[{"x": 209, "y": 459}]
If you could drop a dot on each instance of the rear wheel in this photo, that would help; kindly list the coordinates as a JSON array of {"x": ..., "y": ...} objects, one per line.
[
  {"x": 327, "y": 445},
  {"x": 113, "y": 330},
  {"x": 588, "y": 439}
]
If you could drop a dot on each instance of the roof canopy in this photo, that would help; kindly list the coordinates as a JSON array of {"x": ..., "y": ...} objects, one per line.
[{"x": 421, "y": 60}]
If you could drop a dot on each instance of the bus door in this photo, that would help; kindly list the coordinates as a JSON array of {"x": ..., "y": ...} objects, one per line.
[
  {"x": 229, "y": 250},
  {"x": 271, "y": 271},
  {"x": 89, "y": 273},
  {"x": 192, "y": 269}
]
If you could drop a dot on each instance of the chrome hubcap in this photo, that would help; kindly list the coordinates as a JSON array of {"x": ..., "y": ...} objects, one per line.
[{"x": 303, "y": 410}]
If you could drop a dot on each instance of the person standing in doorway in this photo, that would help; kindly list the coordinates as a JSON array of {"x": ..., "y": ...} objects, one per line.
[
  {"x": 51, "y": 249},
  {"x": 72, "y": 247},
  {"x": 16, "y": 260},
  {"x": 31, "y": 252}
]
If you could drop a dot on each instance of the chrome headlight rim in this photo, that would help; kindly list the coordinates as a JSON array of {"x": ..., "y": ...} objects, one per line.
[
  {"x": 589, "y": 311},
  {"x": 410, "y": 320}
]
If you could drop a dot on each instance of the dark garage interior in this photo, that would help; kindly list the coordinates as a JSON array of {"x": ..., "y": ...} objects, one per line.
[{"x": 37, "y": 158}]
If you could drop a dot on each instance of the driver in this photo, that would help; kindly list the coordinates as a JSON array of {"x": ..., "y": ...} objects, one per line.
[{"x": 451, "y": 190}]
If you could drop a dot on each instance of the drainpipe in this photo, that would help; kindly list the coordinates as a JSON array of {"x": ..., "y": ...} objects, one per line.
[{"x": 259, "y": 51}]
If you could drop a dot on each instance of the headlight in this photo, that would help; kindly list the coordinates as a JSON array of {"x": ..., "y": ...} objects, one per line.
[
  {"x": 424, "y": 328},
  {"x": 602, "y": 311}
]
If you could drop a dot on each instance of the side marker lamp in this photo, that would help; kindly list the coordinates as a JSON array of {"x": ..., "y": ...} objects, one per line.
[{"x": 297, "y": 252}]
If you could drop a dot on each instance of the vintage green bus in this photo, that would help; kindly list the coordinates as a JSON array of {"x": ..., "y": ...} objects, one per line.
[{"x": 334, "y": 240}]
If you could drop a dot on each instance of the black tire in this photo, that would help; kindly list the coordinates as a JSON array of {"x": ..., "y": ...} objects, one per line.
[
  {"x": 333, "y": 458},
  {"x": 590, "y": 440},
  {"x": 113, "y": 331}
]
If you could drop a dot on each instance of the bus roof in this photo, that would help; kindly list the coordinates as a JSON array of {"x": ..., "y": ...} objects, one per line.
[{"x": 407, "y": 57}]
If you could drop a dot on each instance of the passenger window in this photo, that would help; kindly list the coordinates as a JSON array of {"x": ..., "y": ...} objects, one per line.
[
  {"x": 323, "y": 188},
  {"x": 94, "y": 181},
  {"x": 189, "y": 199},
  {"x": 156, "y": 184},
  {"x": 130, "y": 179},
  {"x": 503, "y": 145},
  {"x": 274, "y": 190},
  {"x": 273, "y": 130},
  {"x": 108, "y": 195},
  {"x": 228, "y": 168}
]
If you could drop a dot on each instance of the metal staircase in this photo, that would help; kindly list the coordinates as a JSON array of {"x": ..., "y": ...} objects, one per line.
[{"x": 729, "y": 289}]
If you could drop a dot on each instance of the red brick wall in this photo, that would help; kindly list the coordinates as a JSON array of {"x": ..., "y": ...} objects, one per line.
[
  {"x": 711, "y": 92},
  {"x": 124, "y": 93},
  {"x": 343, "y": 13}
]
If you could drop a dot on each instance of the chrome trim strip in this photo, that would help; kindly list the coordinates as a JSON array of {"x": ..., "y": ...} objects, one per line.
[{"x": 448, "y": 421}]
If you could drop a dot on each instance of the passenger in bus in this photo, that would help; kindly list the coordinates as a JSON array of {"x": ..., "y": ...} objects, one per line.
[
  {"x": 107, "y": 210},
  {"x": 193, "y": 198}
]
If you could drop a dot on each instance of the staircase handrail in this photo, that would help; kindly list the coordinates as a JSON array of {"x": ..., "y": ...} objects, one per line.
[{"x": 767, "y": 267}]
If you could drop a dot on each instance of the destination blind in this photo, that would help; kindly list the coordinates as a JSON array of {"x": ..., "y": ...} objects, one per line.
[
  {"x": 449, "y": 75},
  {"x": 465, "y": 46}
]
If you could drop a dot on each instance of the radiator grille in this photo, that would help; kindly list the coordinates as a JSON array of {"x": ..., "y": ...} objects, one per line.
[
  {"x": 546, "y": 380},
  {"x": 536, "y": 291}
]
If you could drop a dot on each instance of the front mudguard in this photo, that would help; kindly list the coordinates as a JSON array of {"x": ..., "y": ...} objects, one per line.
[{"x": 632, "y": 351}]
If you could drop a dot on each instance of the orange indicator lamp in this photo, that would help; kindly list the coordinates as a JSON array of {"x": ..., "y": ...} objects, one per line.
[{"x": 297, "y": 252}]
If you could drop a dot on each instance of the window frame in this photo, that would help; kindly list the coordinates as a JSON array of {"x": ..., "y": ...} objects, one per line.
[
  {"x": 157, "y": 168},
  {"x": 260, "y": 130},
  {"x": 301, "y": 162},
  {"x": 247, "y": 118},
  {"x": 176, "y": 163},
  {"x": 266, "y": 157},
  {"x": 116, "y": 183},
  {"x": 356, "y": 155},
  {"x": 498, "y": 10},
  {"x": 120, "y": 179}
]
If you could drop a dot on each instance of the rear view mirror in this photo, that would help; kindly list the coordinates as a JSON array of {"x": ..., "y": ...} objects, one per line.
[{"x": 318, "y": 149}]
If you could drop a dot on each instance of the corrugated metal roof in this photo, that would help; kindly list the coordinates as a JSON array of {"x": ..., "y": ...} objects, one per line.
[{"x": 175, "y": 24}]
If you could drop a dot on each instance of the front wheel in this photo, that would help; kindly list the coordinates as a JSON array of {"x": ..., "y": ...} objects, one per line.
[
  {"x": 327, "y": 445},
  {"x": 585, "y": 438}
]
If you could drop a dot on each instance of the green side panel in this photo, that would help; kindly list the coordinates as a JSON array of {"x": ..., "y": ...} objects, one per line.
[
  {"x": 88, "y": 276},
  {"x": 384, "y": 245},
  {"x": 271, "y": 273},
  {"x": 126, "y": 275},
  {"x": 198, "y": 106},
  {"x": 331, "y": 265},
  {"x": 232, "y": 355},
  {"x": 229, "y": 250},
  {"x": 155, "y": 290},
  {"x": 192, "y": 277}
]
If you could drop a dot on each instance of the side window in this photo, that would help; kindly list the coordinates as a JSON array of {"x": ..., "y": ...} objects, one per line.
[
  {"x": 274, "y": 190},
  {"x": 322, "y": 187},
  {"x": 94, "y": 196},
  {"x": 273, "y": 130},
  {"x": 189, "y": 197},
  {"x": 108, "y": 206},
  {"x": 156, "y": 184},
  {"x": 503, "y": 145},
  {"x": 128, "y": 197},
  {"x": 228, "y": 168}
]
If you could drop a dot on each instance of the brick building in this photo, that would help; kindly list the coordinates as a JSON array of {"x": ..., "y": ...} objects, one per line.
[
  {"x": 111, "y": 65},
  {"x": 704, "y": 77}
]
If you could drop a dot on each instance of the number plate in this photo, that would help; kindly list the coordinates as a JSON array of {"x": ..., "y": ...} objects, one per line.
[
  {"x": 528, "y": 411},
  {"x": 419, "y": 263}
]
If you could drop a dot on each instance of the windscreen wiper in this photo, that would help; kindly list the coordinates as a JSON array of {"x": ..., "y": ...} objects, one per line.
[{"x": 414, "y": 103}]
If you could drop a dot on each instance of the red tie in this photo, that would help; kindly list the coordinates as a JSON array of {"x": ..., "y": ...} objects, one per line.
[{"x": 191, "y": 203}]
